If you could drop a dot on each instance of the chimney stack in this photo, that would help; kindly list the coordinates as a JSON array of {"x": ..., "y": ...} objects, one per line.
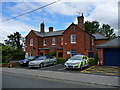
[
  {"x": 50, "y": 29},
  {"x": 42, "y": 27},
  {"x": 81, "y": 21}
]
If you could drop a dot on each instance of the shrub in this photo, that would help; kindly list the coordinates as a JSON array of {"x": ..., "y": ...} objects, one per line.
[
  {"x": 61, "y": 60},
  {"x": 94, "y": 60}
]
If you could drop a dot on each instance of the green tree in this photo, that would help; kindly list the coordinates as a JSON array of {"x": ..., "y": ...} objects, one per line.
[
  {"x": 7, "y": 53},
  {"x": 13, "y": 48},
  {"x": 107, "y": 31},
  {"x": 92, "y": 27},
  {"x": 15, "y": 40}
]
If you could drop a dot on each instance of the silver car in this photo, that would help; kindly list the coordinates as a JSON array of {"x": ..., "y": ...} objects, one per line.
[{"x": 42, "y": 61}]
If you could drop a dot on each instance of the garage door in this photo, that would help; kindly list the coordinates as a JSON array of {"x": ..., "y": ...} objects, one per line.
[{"x": 111, "y": 56}]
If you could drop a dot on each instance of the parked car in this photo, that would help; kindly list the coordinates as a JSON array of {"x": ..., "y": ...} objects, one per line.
[
  {"x": 77, "y": 61},
  {"x": 43, "y": 61},
  {"x": 27, "y": 60}
]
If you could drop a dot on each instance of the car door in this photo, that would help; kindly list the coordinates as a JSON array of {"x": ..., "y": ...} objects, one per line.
[
  {"x": 51, "y": 60},
  {"x": 47, "y": 61},
  {"x": 84, "y": 61}
]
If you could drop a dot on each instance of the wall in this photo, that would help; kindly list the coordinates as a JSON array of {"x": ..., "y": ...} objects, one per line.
[
  {"x": 100, "y": 41},
  {"x": 83, "y": 41},
  {"x": 33, "y": 36}
]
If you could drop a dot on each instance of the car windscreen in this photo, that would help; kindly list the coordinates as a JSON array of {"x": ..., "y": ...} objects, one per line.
[
  {"x": 76, "y": 57},
  {"x": 32, "y": 57},
  {"x": 41, "y": 58}
]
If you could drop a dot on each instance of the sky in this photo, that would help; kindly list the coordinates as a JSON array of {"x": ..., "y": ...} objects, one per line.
[{"x": 58, "y": 15}]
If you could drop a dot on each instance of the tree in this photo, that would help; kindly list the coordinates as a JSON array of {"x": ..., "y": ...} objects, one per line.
[
  {"x": 107, "y": 31},
  {"x": 92, "y": 27},
  {"x": 14, "y": 40},
  {"x": 13, "y": 48}
]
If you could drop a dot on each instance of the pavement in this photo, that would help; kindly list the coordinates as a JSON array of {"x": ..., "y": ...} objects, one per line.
[{"x": 78, "y": 77}]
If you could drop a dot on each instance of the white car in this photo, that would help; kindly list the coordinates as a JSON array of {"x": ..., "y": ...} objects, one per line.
[
  {"x": 42, "y": 61},
  {"x": 77, "y": 61}
]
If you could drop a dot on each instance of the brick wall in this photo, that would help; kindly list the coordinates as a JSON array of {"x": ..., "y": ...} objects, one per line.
[
  {"x": 100, "y": 41},
  {"x": 33, "y": 36}
]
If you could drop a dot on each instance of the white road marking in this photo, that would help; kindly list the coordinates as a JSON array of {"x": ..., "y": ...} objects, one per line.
[{"x": 61, "y": 69}]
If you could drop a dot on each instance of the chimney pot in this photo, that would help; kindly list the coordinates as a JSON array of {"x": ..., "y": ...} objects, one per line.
[{"x": 50, "y": 29}]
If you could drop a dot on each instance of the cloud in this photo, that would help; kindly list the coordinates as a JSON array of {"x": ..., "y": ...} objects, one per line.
[
  {"x": 100, "y": 10},
  {"x": 12, "y": 26}
]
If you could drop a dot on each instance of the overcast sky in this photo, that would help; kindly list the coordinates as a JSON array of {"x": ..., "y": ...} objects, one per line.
[{"x": 59, "y": 15}]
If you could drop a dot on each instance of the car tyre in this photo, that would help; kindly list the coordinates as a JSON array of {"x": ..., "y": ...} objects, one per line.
[
  {"x": 41, "y": 65},
  {"x": 54, "y": 63},
  {"x": 81, "y": 67}
]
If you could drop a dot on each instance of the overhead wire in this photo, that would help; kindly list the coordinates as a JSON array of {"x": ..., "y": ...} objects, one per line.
[{"x": 30, "y": 11}]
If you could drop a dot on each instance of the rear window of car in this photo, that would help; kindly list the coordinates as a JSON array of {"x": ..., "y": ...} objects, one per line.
[
  {"x": 32, "y": 57},
  {"x": 41, "y": 58}
]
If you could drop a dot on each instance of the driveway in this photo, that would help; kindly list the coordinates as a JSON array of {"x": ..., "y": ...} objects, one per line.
[{"x": 96, "y": 70}]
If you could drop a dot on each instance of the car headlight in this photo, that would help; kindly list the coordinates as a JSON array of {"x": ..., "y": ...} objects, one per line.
[{"x": 24, "y": 61}]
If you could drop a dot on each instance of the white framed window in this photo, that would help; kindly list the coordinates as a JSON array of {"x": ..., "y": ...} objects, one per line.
[
  {"x": 53, "y": 41},
  {"x": 61, "y": 40},
  {"x": 31, "y": 42},
  {"x": 73, "y": 38},
  {"x": 44, "y": 42}
]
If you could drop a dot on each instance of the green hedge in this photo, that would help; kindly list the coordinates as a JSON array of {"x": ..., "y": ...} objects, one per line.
[
  {"x": 61, "y": 60},
  {"x": 94, "y": 60}
]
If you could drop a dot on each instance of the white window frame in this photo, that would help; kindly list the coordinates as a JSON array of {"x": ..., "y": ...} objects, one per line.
[
  {"x": 44, "y": 42},
  {"x": 53, "y": 41},
  {"x": 61, "y": 40},
  {"x": 73, "y": 38},
  {"x": 31, "y": 42}
]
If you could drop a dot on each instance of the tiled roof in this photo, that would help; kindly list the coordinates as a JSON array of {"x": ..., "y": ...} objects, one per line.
[
  {"x": 113, "y": 43},
  {"x": 99, "y": 36},
  {"x": 55, "y": 33}
]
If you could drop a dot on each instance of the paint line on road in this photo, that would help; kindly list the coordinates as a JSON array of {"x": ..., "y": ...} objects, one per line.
[{"x": 61, "y": 69}]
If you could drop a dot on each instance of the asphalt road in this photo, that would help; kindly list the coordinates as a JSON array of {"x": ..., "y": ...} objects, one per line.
[{"x": 22, "y": 81}]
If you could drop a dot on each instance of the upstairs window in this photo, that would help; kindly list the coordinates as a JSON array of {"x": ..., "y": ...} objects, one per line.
[
  {"x": 44, "y": 42},
  {"x": 61, "y": 40},
  {"x": 73, "y": 38},
  {"x": 53, "y": 41},
  {"x": 31, "y": 42}
]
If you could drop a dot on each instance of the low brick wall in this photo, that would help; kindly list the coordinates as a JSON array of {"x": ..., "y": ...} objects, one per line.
[
  {"x": 3, "y": 65},
  {"x": 13, "y": 63},
  {"x": 10, "y": 64}
]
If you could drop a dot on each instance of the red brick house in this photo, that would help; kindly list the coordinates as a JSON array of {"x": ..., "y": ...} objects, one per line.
[{"x": 65, "y": 43}]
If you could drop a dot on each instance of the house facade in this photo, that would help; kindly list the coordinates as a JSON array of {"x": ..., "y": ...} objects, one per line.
[{"x": 65, "y": 43}]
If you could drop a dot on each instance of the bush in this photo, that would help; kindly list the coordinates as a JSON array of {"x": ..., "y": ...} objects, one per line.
[
  {"x": 94, "y": 60},
  {"x": 61, "y": 60}
]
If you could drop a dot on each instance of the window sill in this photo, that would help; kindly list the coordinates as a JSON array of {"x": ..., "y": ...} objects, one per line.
[
  {"x": 73, "y": 42},
  {"x": 44, "y": 45}
]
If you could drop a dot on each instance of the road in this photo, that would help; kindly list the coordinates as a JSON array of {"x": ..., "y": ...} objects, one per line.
[{"x": 22, "y": 81}]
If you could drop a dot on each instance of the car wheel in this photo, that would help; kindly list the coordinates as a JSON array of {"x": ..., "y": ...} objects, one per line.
[
  {"x": 10, "y": 65},
  {"x": 54, "y": 63},
  {"x": 41, "y": 65},
  {"x": 81, "y": 67}
]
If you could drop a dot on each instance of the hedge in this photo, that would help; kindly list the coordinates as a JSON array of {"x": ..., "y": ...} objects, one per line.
[{"x": 61, "y": 60}]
